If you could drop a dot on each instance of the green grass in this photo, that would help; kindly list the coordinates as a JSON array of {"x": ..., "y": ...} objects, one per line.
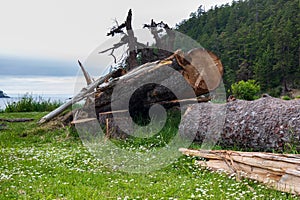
[
  {"x": 28, "y": 103},
  {"x": 50, "y": 163}
]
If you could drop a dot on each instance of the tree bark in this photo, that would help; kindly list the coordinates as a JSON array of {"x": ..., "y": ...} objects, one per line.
[{"x": 266, "y": 124}]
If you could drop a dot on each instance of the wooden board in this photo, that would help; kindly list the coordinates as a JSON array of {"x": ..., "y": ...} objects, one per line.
[{"x": 278, "y": 171}]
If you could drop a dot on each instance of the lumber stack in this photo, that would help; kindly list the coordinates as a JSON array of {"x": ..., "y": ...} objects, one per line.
[{"x": 277, "y": 171}]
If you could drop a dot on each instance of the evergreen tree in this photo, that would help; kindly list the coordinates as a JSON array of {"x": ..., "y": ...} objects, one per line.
[{"x": 255, "y": 39}]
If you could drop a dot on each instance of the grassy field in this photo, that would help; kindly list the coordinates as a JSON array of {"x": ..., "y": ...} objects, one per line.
[{"x": 48, "y": 163}]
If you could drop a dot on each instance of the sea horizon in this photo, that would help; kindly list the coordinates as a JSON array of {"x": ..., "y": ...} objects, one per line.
[
  {"x": 15, "y": 86},
  {"x": 55, "y": 88}
]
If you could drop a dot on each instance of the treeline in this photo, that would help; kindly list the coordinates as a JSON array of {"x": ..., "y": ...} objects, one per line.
[{"x": 255, "y": 39}]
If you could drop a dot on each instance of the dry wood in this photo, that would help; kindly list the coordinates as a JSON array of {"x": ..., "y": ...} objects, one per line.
[
  {"x": 132, "y": 61},
  {"x": 112, "y": 112},
  {"x": 80, "y": 121},
  {"x": 278, "y": 171},
  {"x": 186, "y": 101},
  {"x": 194, "y": 73},
  {"x": 107, "y": 127},
  {"x": 202, "y": 69},
  {"x": 85, "y": 73},
  {"x": 17, "y": 120},
  {"x": 85, "y": 92}
]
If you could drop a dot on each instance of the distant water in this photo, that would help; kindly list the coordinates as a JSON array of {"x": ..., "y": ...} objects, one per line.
[
  {"x": 16, "y": 98},
  {"x": 48, "y": 87}
]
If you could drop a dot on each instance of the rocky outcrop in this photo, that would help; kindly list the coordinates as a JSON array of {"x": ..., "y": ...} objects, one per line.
[{"x": 3, "y": 95}]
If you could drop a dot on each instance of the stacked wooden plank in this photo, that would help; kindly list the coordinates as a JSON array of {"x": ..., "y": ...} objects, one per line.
[{"x": 278, "y": 171}]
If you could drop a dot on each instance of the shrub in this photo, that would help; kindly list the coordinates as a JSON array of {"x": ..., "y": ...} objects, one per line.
[
  {"x": 285, "y": 98},
  {"x": 247, "y": 90},
  {"x": 29, "y": 104}
]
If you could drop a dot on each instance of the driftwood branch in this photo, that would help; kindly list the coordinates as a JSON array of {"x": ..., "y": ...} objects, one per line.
[
  {"x": 132, "y": 42},
  {"x": 116, "y": 30},
  {"x": 124, "y": 40},
  {"x": 85, "y": 92},
  {"x": 85, "y": 73},
  {"x": 153, "y": 26},
  {"x": 278, "y": 171}
]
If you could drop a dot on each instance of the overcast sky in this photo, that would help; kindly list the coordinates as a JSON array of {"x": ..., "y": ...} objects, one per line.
[
  {"x": 35, "y": 34},
  {"x": 71, "y": 29}
]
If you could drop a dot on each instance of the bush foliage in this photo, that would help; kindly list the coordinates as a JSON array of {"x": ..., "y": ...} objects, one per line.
[
  {"x": 287, "y": 98},
  {"x": 247, "y": 90}
]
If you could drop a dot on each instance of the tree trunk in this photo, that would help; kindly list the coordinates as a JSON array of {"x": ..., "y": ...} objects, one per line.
[
  {"x": 132, "y": 62},
  {"x": 266, "y": 124}
]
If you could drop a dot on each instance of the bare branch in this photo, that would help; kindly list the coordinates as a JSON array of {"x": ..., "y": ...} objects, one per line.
[
  {"x": 116, "y": 30},
  {"x": 85, "y": 73}
]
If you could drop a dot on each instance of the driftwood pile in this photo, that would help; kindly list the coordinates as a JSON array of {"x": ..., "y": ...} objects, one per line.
[
  {"x": 130, "y": 91},
  {"x": 163, "y": 77},
  {"x": 159, "y": 70},
  {"x": 278, "y": 171}
]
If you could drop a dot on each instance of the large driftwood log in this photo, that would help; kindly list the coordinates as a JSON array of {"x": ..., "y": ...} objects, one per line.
[
  {"x": 152, "y": 83},
  {"x": 278, "y": 171},
  {"x": 265, "y": 124}
]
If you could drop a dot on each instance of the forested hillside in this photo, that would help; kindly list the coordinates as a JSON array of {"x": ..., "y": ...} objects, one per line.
[{"x": 255, "y": 39}]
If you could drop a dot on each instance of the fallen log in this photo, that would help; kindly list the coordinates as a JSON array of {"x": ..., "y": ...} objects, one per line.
[
  {"x": 267, "y": 124},
  {"x": 85, "y": 92},
  {"x": 158, "y": 81},
  {"x": 16, "y": 120},
  {"x": 178, "y": 72},
  {"x": 278, "y": 171}
]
